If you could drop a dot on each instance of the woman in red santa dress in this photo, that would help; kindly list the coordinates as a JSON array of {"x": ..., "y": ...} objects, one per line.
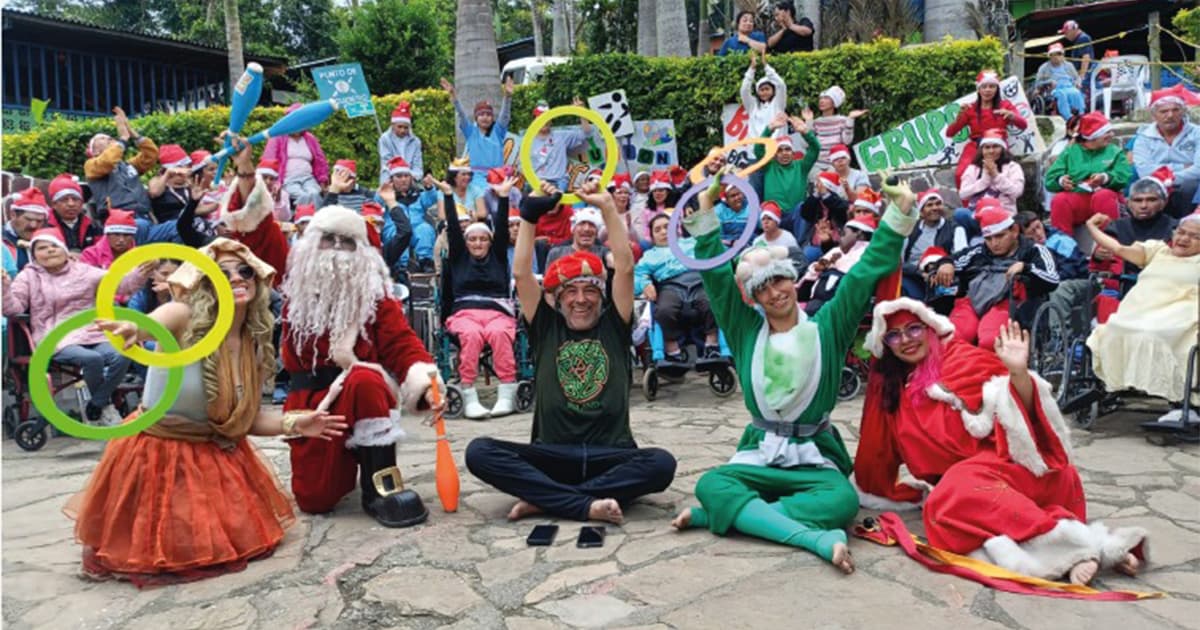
[{"x": 986, "y": 432}]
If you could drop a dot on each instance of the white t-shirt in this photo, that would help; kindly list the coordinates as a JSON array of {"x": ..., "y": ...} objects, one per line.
[
  {"x": 299, "y": 162},
  {"x": 785, "y": 239}
]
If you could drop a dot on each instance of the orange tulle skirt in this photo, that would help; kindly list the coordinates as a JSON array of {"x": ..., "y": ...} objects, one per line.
[{"x": 160, "y": 510}]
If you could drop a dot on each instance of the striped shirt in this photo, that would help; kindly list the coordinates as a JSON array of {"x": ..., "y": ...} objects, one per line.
[{"x": 833, "y": 130}]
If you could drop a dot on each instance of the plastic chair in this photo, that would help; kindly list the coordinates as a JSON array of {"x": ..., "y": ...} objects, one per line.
[{"x": 1128, "y": 75}]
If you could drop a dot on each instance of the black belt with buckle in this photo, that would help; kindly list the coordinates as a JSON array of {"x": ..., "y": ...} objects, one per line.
[
  {"x": 793, "y": 429},
  {"x": 319, "y": 379}
]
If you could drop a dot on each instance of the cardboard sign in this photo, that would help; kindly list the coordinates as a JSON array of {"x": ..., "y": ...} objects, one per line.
[
  {"x": 735, "y": 126},
  {"x": 345, "y": 83},
  {"x": 651, "y": 146},
  {"x": 614, "y": 107},
  {"x": 921, "y": 142}
]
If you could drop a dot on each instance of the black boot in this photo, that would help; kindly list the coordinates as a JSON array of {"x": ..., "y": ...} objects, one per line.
[{"x": 386, "y": 499}]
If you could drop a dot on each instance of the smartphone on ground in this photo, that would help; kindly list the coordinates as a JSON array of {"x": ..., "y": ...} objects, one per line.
[
  {"x": 590, "y": 536},
  {"x": 542, "y": 535}
]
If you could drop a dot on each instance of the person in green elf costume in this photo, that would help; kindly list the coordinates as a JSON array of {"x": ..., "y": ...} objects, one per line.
[{"x": 787, "y": 482}]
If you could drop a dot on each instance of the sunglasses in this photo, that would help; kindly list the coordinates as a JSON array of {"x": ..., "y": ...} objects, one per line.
[
  {"x": 243, "y": 271},
  {"x": 336, "y": 241},
  {"x": 911, "y": 332}
]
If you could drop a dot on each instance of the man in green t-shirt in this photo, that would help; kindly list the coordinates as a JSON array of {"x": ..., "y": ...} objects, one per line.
[{"x": 582, "y": 462}]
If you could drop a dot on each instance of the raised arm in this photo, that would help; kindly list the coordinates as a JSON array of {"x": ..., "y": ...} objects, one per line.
[
  {"x": 1134, "y": 253},
  {"x": 529, "y": 292},
  {"x": 780, "y": 100},
  {"x": 622, "y": 253}
]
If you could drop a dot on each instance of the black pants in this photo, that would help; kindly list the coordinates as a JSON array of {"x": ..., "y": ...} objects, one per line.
[
  {"x": 564, "y": 479},
  {"x": 677, "y": 312}
]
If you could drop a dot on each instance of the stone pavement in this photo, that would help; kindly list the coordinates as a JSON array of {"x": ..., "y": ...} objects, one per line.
[{"x": 472, "y": 569}]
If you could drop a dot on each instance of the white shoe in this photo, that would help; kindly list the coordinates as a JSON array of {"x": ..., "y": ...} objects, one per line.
[
  {"x": 506, "y": 400},
  {"x": 110, "y": 417},
  {"x": 471, "y": 407}
]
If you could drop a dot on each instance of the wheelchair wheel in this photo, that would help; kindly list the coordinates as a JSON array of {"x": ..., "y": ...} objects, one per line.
[
  {"x": 650, "y": 384},
  {"x": 1050, "y": 339},
  {"x": 31, "y": 435},
  {"x": 722, "y": 382},
  {"x": 524, "y": 396},
  {"x": 850, "y": 385},
  {"x": 454, "y": 402}
]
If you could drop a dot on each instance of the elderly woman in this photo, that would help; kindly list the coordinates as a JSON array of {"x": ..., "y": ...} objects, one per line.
[
  {"x": 987, "y": 432},
  {"x": 189, "y": 497},
  {"x": 476, "y": 279},
  {"x": 787, "y": 481},
  {"x": 303, "y": 168},
  {"x": 1145, "y": 344},
  {"x": 52, "y": 288}
]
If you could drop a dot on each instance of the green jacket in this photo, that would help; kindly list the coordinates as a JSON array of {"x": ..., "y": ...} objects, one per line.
[
  {"x": 788, "y": 185},
  {"x": 1078, "y": 163},
  {"x": 746, "y": 328}
]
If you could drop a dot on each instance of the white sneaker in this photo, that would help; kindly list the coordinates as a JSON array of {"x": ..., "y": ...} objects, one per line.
[
  {"x": 471, "y": 407},
  {"x": 110, "y": 417},
  {"x": 506, "y": 400}
]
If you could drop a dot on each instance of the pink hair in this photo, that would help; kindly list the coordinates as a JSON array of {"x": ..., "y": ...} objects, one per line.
[{"x": 929, "y": 371}]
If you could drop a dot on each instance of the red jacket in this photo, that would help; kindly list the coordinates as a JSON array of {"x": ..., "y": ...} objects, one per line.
[{"x": 979, "y": 120}]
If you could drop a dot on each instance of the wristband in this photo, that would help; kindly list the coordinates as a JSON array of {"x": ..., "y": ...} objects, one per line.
[{"x": 289, "y": 423}]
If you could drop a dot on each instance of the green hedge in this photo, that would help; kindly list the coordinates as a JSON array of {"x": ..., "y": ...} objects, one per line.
[{"x": 894, "y": 83}]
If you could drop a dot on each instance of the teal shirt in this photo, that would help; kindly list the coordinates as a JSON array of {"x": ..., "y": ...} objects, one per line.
[{"x": 658, "y": 264}]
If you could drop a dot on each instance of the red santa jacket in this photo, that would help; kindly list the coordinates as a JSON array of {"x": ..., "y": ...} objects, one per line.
[
  {"x": 979, "y": 120},
  {"x": 257, "y": 229}
]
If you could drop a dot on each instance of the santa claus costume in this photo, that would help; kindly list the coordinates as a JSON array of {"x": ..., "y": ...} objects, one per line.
[
  {"x": 991, "y": 438},
  {"x": 345, "y": 343}
]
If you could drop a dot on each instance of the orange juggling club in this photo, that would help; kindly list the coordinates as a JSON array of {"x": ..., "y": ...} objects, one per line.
[{"x": 445, "y": 472}]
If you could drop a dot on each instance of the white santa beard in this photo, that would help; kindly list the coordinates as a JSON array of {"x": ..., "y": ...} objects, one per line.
[{"x": 332, "y": 292}]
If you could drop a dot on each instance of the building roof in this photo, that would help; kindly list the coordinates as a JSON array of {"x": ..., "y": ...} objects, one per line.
[{"x": 30, "y": 26}]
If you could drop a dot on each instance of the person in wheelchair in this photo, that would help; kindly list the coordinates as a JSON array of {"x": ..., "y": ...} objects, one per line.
[
  {"x": 679, "y": 298},
  {"x": 476, "y": 278},
  {"x": 935, "y": 231},
  {"x": 823, "y": 276},
  {"x": 985, "y": 273},
  {"x": 52, "y": 288},
  {"x": 1068, "y": 259},
  {"x": 1145, "y": 344},
  {"x": 1063, "y": 77}
]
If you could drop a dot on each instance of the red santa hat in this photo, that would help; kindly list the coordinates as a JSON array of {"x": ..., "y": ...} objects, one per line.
[
  {"x": 620, "y": 180},
  {"x": 835, "y": 94},
  {"x": 372, "y": 211},
  {"x": 932, "y": 254},
  {"x": 1163, "y": 177},
  {"x": 587, "y": 214},
  {"x": 864, "y": 223},
  {"x": 1174, "y": 95},
  {"x": 660, "y": 180},
  {"x": 1069, "y": 25},
  {"x": 514, "y": 214},
  {"x": 594, "y": 175},
  {"x": 499, "y": 174},
  {"x": 987, "y": 202},
  {"x": 342, "y": 221},
  {"x": 994, "y": 136},
  {"x": 268, "y": 168},
  {"x": 1056, "y": 49},
  {"x": 173, "y": 156},
  {"x": 868, "y": 199},
  {"x": 831, "y": 179},
  {"x": 993, "y": 220},
  {"x": 987, "y": 76},
  {"x": 785, "y": 141},
  {"x": 398, "y": 166},
  {"x": 31, "y": 200},
  {"x": 541, "y": 108},
  {"x": 402, "y": 114},
  {"x": 64, "y": 185},
  {"x": 1094, "y": 125},
  {"x": 679, "y": 175},
  {"x": 641, "y": 174},
  {"x": 199, "y": 157},
  {"x": 120, "y": 222},
  {"x": 575, "y": 267},
  {"x": 50, "y": 235},
  {"x": 927, "y": 196},
  {"x": 891, "y": 309},
  {"x": 483, "y": 106},
  {"x": 348, "y": 165},
  {"x": 304, "y": 213},
  {"x": 839, "y": 151},
  {"x": 770, "y": 209}
]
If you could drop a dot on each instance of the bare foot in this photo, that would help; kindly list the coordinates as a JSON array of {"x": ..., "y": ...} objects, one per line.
[
  {"x": 606, "y": 510},
  {"x": 1083, "y": 572},
  {"x": 684, "y": 520},
  {"x": 842, "y": 558},
  {"x": 522, "y": 509},
  {"x": 1129, "y": 566}
]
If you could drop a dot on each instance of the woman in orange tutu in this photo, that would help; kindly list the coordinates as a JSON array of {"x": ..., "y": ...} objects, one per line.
[{"x": 189, "y": 497}]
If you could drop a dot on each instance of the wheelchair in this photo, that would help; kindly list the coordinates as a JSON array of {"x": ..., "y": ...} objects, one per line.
[
  {"x": 1061, "y": 355},
  {"x": 722, "y": 380},
  {"x": 32, "y": 432},
  {"x": 445, "y": 346}
]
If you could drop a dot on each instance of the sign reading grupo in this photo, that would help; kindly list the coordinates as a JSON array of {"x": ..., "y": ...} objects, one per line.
[{"x": 921, "y": 142}]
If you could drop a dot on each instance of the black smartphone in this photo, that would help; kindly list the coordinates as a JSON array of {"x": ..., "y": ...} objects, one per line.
[
  {"x": 542, "y": 535},
  {"x": 590, "y": 536}
]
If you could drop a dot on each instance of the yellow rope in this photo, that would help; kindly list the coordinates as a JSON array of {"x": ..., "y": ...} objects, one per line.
[
  {"x": 1172, "y": 34},
  {"x": 1104, "y": 39}
]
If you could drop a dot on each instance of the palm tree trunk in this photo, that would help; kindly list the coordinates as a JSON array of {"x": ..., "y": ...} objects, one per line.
[
  {"x": 535, "y": 12},
  {"x": 702, "y": 44},
  {"x": 476, "y": 67},
  {"x": 671, "y": 19},
  {"x": 946, "y": 17},
  {"x": 647, "y": 33},
  {"x": 811, "y": 9},
  {"x": 561, "y": 45},
  {"x": 233, "y": 41}
]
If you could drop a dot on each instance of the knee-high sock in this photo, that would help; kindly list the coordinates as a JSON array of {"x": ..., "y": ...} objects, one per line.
[{"x": 759, "y": 519}]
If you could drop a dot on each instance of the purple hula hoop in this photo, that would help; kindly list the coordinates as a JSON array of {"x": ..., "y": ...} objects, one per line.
[{"x": 677, "y": 216}]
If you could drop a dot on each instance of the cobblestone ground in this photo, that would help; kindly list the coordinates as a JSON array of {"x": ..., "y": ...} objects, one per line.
[{"x": 472, "y": 569}]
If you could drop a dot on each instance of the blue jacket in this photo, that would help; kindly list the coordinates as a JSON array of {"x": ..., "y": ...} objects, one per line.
[{"x": 658, "y": 264}]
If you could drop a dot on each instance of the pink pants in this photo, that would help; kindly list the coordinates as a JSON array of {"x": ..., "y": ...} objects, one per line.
[
  {"x": 1069, "y": 209},
  {"x": 475, "y": 327},
  {"x": 971, "y": 328}
]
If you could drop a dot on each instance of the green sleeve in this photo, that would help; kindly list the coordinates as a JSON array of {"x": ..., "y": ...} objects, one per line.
[
  {"x": 843, "y": 313},
  {"x": 758, "y": 148},
  {"x": 724, "y": 296},
  {"x": 810, "y": 156},
  {"x": 1057, "y": 170},
  {"x": 1119, "y": 173}
]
